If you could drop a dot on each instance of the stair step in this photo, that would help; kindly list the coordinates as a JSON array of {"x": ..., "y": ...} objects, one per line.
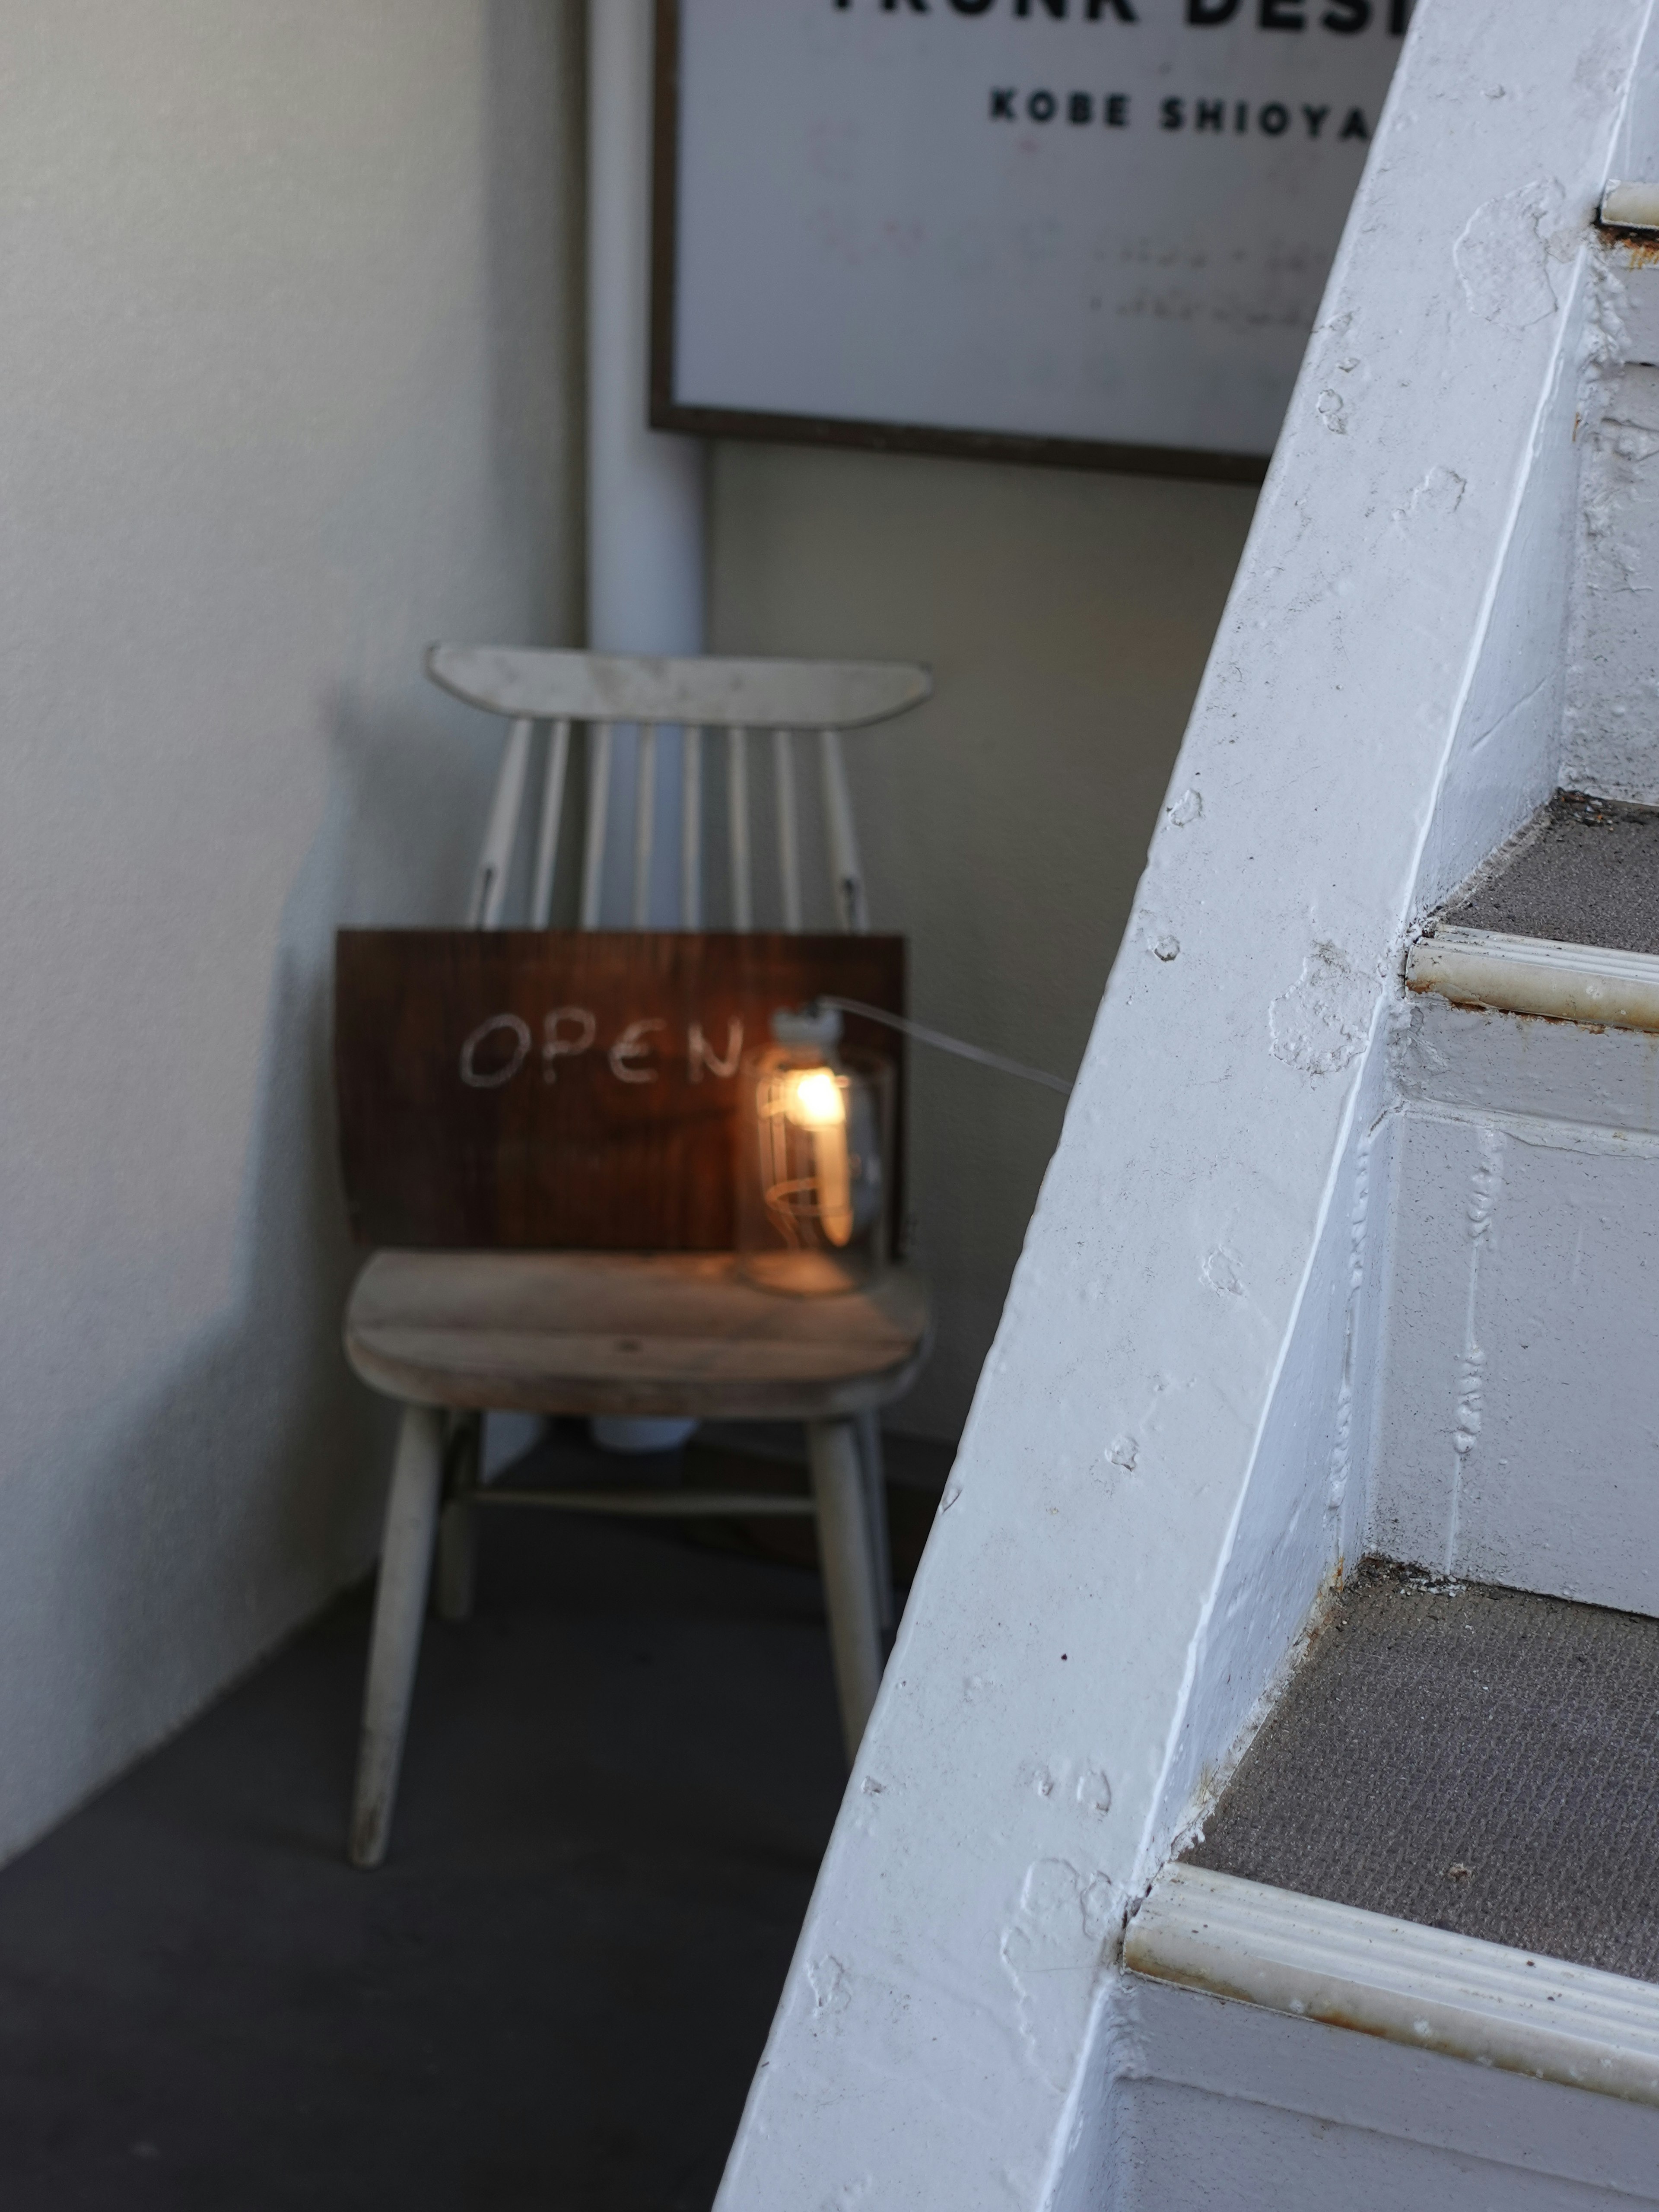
[
  {"x": 1563, "y": 922},
  {"x": 1446, "y": 1833},
  {"x": 1453, "y": 1994},
  {"x": 1538, "y": 975},
  {"x": 1469, "y": 1758},
  {"x": 1583, "y": 870}
]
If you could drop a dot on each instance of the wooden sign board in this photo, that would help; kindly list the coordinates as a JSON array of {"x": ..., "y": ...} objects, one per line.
[
  {"x": 558, "y": 1089},
  {"x": 1086, "y": 231}
]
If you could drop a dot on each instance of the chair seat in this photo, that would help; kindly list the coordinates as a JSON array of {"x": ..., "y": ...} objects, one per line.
[{"x": 674, "y": 1333}]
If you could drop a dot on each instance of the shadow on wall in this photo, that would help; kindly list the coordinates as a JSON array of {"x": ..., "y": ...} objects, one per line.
[
  {"x": 297, "y": 390},
  {"x": 291, "y": 1452}
]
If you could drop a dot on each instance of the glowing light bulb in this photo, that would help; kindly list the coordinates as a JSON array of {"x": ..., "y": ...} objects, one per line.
[{"x": 816, "y": 1102}]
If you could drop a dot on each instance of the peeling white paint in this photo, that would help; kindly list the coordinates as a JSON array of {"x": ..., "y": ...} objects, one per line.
[
  {"x": 1613, "y": 708},
  {"x": 831, "y": 1992},
  {"x": 1520, "y": 1434},
  {"x": 1440, "y": 494},
  {"x": 1508, "y": 251},
  {"x": 1052, "y": 1951},
  {"x": 1486, "y": 1189},
  {"x": 1319, "y": 1024}
]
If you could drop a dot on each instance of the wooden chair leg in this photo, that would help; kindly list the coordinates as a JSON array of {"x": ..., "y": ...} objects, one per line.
[
  {"x": 412, "y": 1514},
  {"x": 849, "y": 1582},
  {"x": 456, "y": 1573},
  {"x": 875, "y": 1502}
]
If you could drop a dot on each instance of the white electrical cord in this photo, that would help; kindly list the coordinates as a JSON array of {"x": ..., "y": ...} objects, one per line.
[{"x": 943, "y": 1044}]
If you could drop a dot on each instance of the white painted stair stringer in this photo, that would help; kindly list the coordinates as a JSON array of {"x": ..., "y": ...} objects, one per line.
[
  {"x": 1308, "y": 1502},
  {"x": 946, "y": 2038}
]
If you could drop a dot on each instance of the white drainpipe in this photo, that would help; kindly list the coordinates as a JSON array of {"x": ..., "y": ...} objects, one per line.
[{"x": 645, "y": 490}]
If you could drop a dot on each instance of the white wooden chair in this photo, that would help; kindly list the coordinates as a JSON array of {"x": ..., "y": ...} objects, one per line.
[{"x": 451, "y": 1334}]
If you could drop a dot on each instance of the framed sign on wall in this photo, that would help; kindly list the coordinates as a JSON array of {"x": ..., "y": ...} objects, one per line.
[{"x": 1083, "y": 231}]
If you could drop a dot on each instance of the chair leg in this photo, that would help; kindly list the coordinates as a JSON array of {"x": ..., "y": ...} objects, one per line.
[
  {"x": 850, "y": 1582},
  {"x": 875, "y": 1502},
  {"x": 457, "y": 1568},
  {"x": 411, "y": 1514}
]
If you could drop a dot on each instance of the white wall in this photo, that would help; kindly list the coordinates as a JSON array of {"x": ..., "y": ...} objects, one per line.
[
  {"x": 287, "y": 337},
  {"x": 1066, "y": 617}
]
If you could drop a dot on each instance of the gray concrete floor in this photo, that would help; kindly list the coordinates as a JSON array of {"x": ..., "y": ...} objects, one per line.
[{"x": 620, "y": 1779}]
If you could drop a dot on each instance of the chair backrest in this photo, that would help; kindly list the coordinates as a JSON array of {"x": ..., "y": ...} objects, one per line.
[{"x": 785, "y": 700}]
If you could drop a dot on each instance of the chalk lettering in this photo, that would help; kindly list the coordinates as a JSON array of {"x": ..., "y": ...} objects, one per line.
[
  {"x": 555, "y": 1047},
  {"x": 491, "y": 1079},
  {"x": 700, "y": 1054},
  {"x": 630, "y": 1047}
]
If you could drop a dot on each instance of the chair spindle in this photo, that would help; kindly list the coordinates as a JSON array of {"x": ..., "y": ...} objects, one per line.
[
  {"x": 496, "y": 861},
  {"x": 598, "y": 804},
  {"x": 736, "y": 805},
  {"x": 645, "y": 821},
  {"x": 846, "y": 876},
  {"x": 547, "y": 840},
  {"x": 783, "y": 761},
  {"x": 692, "y": 829}
]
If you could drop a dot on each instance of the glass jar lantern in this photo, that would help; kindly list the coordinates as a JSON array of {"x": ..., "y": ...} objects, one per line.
[{"x": 815, "y": 1135}]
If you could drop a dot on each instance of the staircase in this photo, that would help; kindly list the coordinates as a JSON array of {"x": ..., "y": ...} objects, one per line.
[
  {"x": 1259, "y": 1810},
  {"x": 1410, "y": 1951},
  {"x": 1433, "y": 1881}
]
